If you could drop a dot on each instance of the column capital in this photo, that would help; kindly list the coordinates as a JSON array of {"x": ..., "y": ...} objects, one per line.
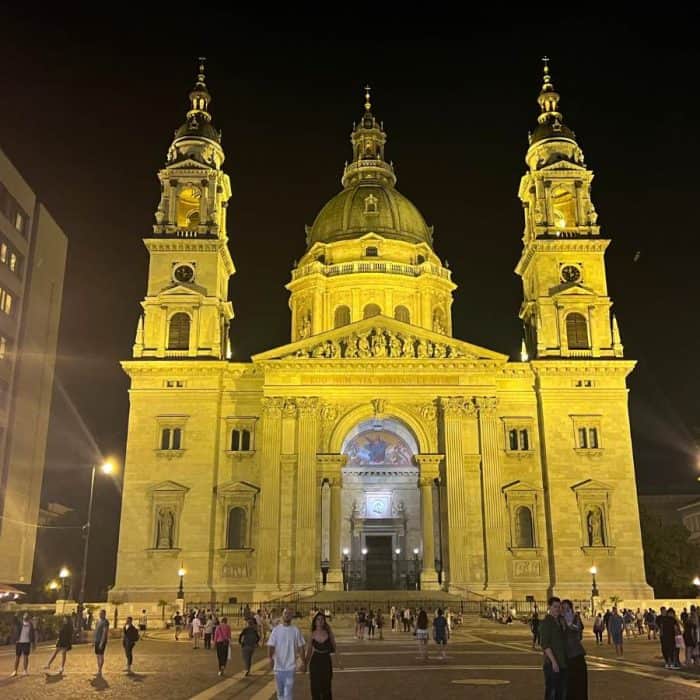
[
  {"x": 307, "y": 405},
  {"x": 427, "y": 480},
  {"x": 272, "y": 406},
  {"x": 429, "y": 464},
  {"x": 331, "y": 459},
  {"x": 289, "y": 409},
  {"x": 486, "y": 405},
  {"x": 452, "y": 406}
]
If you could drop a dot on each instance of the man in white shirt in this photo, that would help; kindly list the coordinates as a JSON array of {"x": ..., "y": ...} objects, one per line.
[
  {"x": 196, "y": 630},
  {"x": 25, "y": 641},
  {"x": 286, "y": 644}
]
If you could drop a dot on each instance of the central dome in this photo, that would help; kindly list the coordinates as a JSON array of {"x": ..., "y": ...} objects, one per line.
[{"x": 369, "y": 207}]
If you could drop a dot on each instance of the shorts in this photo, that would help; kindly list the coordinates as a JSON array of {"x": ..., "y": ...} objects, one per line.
[
  {"x": 23, "y": 648},
  {"x": 100, "y": 648},
  {"x": 422, "y": 635},
  {"x": 441, "y": 639}
]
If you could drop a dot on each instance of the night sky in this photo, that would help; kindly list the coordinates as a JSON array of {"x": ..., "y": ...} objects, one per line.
[{"x": 89, "y": 105}]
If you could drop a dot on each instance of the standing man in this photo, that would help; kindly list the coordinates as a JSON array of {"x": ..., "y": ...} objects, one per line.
[
  {"x": 196, "y": 630},
  {"x": 554, "y": 648},
  {"x": 177, "y": 620},
  {"x": 25, "y": 642},
  {"x": 143, "y": 621},
  {"x": 286, "y": 645},
  {"x": 129, "y": 638},
  {"x": 101, "y": 637}
]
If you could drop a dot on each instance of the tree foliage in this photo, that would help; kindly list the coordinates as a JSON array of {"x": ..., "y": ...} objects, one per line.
[{"x": 671, "y": 561}]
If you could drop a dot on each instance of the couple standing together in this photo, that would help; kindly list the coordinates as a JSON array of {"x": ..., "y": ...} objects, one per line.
[{"x": 286, "y": 644}]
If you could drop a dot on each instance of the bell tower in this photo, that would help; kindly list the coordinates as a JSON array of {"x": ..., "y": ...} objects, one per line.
[
  {"x": 186, "y": 311},
  {"x": 566, "y": 310}
]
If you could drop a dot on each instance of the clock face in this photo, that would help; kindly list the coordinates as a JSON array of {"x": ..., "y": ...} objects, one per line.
[
  {"x": 184, "y": 273},
  {"x": 570, "y": 273}
]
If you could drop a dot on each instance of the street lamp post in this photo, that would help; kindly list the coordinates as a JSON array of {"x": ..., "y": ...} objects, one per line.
[
  {"x": 364, "y": 566},
  {"x": 105, "y": 468},
  {"x": 63, "y": 574},
  {"x": 181, "y": 590},
  {"x": 417, "y": 567},
  {"x": 346, "y": 585},
  {"x": 696, "y": 583},
  {"x": 594, "y": 589}
]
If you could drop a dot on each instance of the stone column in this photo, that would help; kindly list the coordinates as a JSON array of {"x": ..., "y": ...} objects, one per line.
[
  {"x": 452, "y": 415},
  {"x": 330, "y": 466},
  {"x": 429, "y": 466},
  {"x": 308, "y": 495},
  {"x": 268, "y": 552},
  {"x": 494, "y": 505}
]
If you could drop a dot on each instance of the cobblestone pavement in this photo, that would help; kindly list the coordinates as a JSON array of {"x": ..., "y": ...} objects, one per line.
[{"x": 485, "y": 660}]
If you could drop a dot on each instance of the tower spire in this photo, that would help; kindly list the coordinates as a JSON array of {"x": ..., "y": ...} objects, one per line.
[
  {"x": 199, "y": 96},
  {"x": 368, "y": 104},
  {"x": 548, "y": 99}
]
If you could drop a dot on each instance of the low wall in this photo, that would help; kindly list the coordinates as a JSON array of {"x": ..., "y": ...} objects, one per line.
[{"x": 644, "y": 604}]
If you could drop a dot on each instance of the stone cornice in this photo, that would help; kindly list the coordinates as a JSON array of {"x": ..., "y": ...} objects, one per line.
[
  {"x": 195, "y": 367},
  {"x": 560, "y": 245},
  {"x": 618, "y": 368}
]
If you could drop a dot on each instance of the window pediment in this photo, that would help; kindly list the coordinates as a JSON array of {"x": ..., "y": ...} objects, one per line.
[{"x": 169, "y": 487}]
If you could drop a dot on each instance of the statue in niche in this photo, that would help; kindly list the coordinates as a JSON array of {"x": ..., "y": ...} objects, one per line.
[
  {"x": 305, "y": 326},
  {"x": 594, "y": 521},
  {"x": 166, "y": 528},
  {"x": 363, "y": 349},
  {"x": 438, "y": 323},
  {"x": 408, "y": 350},
  {"x": 394, "y": 346},
  {"x": 351, "y": 347},
  {"x": 591, "y": 213},
  {"x": 378, "y": 343}
]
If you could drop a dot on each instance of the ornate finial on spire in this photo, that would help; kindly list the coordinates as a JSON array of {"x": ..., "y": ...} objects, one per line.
[
  {"x": 547, "y": 78},
  {"x": 368, "y": 104},
  {"x": 200, "y": 75}
]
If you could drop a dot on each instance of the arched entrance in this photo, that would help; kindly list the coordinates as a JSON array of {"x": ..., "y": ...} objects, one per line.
[{"x": 380, "y": 507}]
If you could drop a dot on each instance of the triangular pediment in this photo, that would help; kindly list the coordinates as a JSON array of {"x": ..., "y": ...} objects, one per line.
[
  {"x": 519, "y": 487},
  {"x": 380, "y": 337},
  {"x": 239, "y": 488},
  {"x": 574, "y": 289},
  {"x": 178, "y": 289},
  {"x": 590, "y": 485},
  {"x": 188, "y": 164},
  {"x": 169, "y": 486},
  {"x": 562, "y": 165}
]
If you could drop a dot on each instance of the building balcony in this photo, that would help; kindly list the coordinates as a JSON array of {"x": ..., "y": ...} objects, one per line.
[{"x": 358, "y": 267}]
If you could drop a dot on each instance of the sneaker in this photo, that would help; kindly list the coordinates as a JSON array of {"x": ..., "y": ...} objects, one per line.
[
  {"x": 221, "y": 673},
  {"x": 13, "y": 674},
  {"x": 26, "y": 673},
  {"x": 60, "y": 670}
]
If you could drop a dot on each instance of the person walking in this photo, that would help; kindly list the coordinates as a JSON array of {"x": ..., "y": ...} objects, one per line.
[
  {"x": 317, "y": 658},
  {"x": 421, "y": 632},
  {"x": 674, "y": 639},
  {"x": 222, "y": 641},
  {"x": 616, "y": 626},
  {"x": 130, "y": 635},
  {"x": 177, "y": 621},
  {"x": 407, "y": 620},
  {"x": 441, "y": 632},
  {"x": 208, "y": 631},
  {"x": 143, "y": 621},
  {"x": 576, "y": 668},
  {"x": 535, "y": 628},
  {"x": 598, "y": 629},
  {"x": 64, "y": 643},
  {"x": 100, "y": 639},
  {"x": 554, "y": 647},
  {"x": 196, "y": 630},
  {"x": 690, "y": 636},
  {"x": 249, "y": 638},
  {"x": 25, "y": 636},
  {"x": 379, "y": 622},
  {"x": 370, "y": 624},
  {"x": 392, "y": 616},
  {"x": 285, "y": 645},
  {"x": 606, "y": 617}
]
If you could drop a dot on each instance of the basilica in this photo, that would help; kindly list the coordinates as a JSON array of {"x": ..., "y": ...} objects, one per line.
[{"x": 375, "y": 450}]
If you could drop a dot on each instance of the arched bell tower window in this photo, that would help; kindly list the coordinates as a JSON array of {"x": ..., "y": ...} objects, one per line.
[
  {"x": 563, "y": 208},
  {"x": 236, "y": 530},
  {"x": 188, "y": 202},
  {"x": 342, "y": 316},
  {"x": 576, "y": 332},
  {"x": 179, "y": 332},
  {"x": 524, "y": 536},
  {"x": 401, "y": 313},
  {"x": 371, "y": 310}
]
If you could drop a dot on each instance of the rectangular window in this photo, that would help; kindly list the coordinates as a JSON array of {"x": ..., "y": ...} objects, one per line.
[
  {"x": 177, "y": 438},
  {"x": 3, "y": 252},
  {"x": 235, "y": 440},
  {"x": 5, "y": 302},
  {"x": 593, "y": 438},
  {"x": 582, "y": 438},
  {"x": 13, "y": 262},
  {"x": 524, "y": 440},
  {"x": 165, "y": 439},
  {"x": 19, "y": 221},
  {"x": 245, "y": 441},
  {"x": 3, "y": 347},
  {"x": 513, "y": 439}
]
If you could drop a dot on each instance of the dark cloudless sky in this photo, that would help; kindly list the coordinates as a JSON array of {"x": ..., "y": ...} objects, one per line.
[{"x": 89, "y": 104}]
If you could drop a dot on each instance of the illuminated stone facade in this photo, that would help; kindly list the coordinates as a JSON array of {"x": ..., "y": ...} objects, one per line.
[{"x": 375, "y": 436}]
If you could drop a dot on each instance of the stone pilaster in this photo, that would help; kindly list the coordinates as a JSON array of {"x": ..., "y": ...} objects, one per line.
[
  {"x": 308, "y": 495},
  {"x": 330, "y": 466},
  {"x": 429, "y": 471},
  {"x": 268, "y": 552},
  {"x": 457, "y": 536},
  {"x": 494, "y": 506}
]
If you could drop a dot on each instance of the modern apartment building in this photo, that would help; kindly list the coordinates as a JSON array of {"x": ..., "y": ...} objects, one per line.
[{"x": 32, "y": 263}]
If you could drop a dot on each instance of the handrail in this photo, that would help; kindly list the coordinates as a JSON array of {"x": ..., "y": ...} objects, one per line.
[{"x": 356, "y": 267}]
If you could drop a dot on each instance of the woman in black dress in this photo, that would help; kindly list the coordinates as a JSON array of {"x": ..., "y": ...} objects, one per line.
[
  {"x": 319, "y": 648},
  {"x": 64, "y": 643}
]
